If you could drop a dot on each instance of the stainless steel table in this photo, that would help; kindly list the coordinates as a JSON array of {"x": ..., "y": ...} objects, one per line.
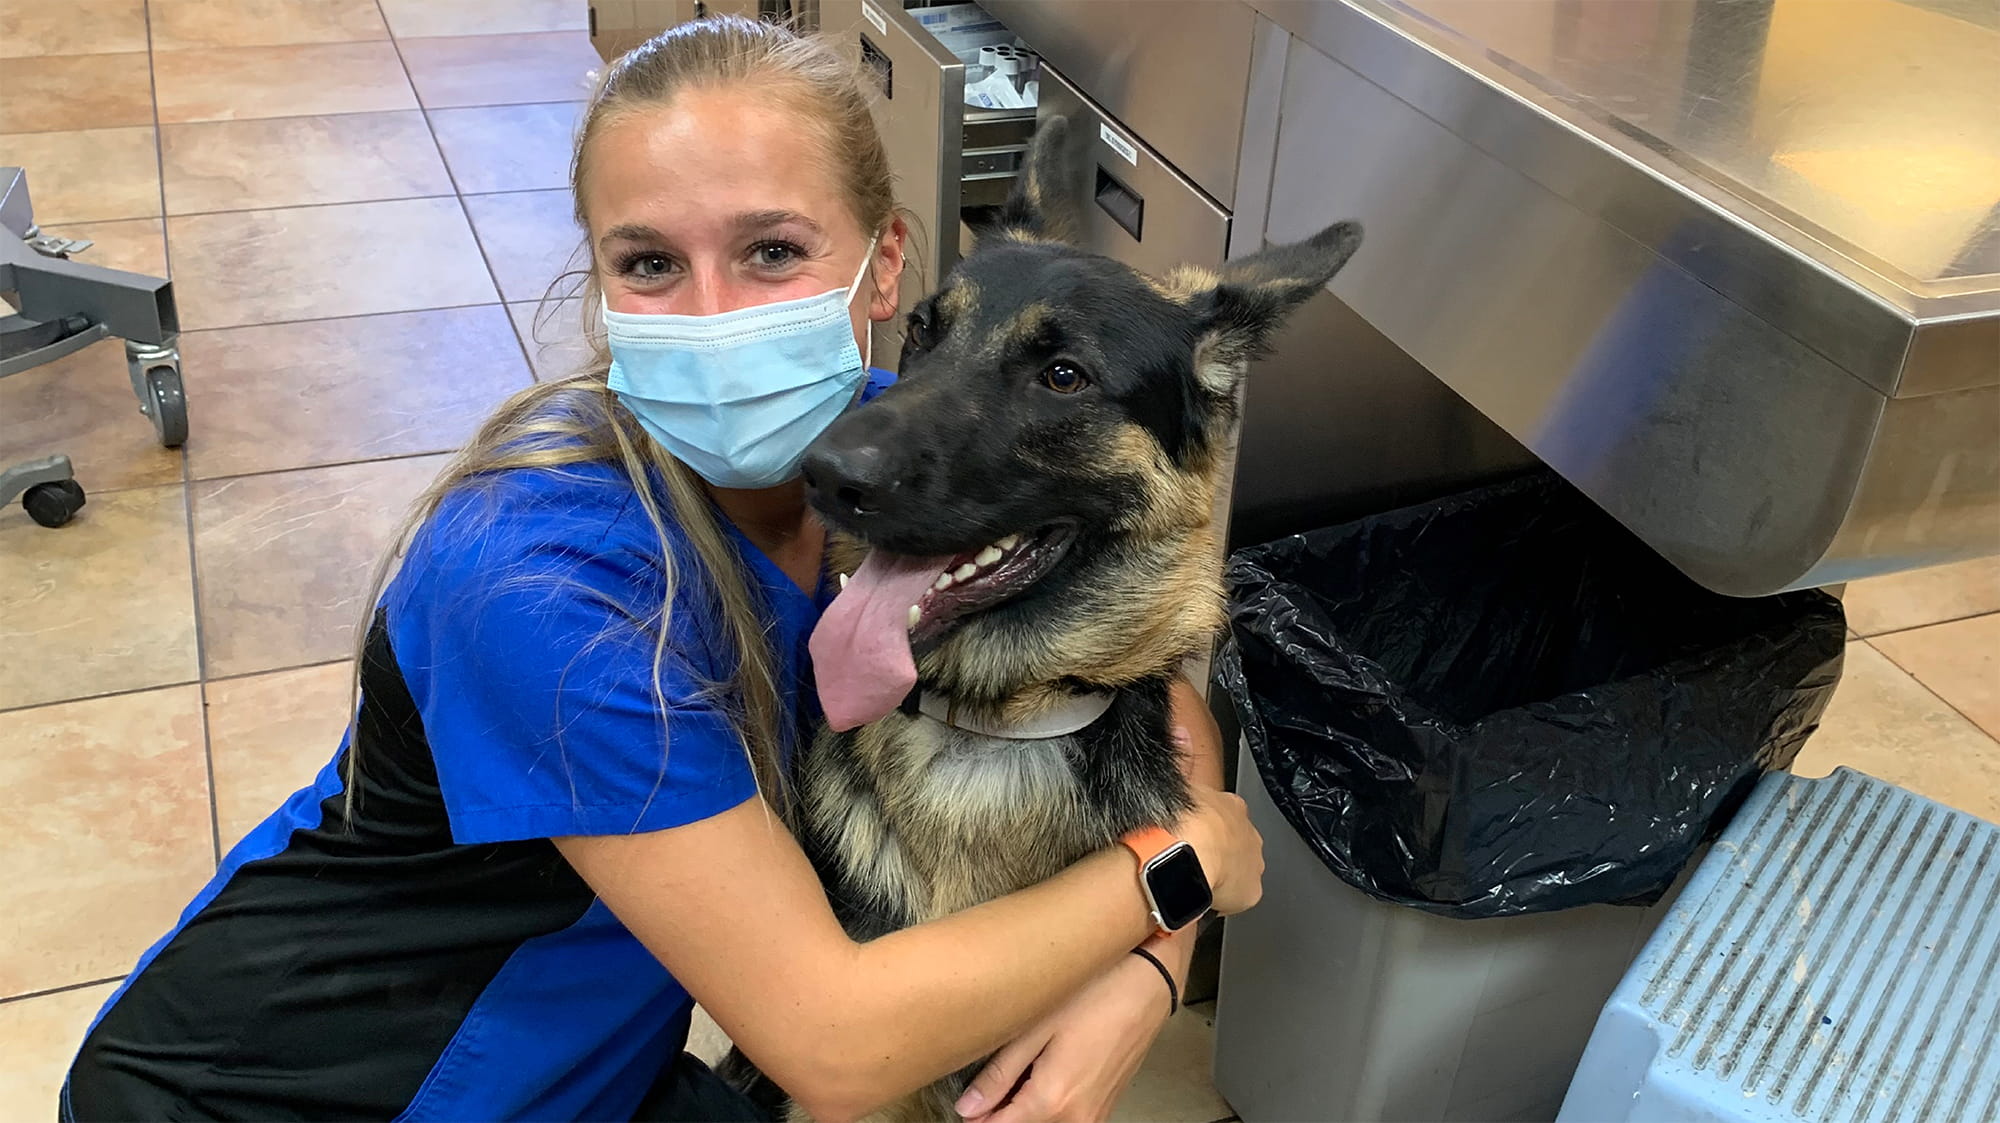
[{"x": 1730, "y": 266}]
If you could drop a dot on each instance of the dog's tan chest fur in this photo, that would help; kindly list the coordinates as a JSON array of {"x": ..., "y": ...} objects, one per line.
[{"x": 955, "y": 818}]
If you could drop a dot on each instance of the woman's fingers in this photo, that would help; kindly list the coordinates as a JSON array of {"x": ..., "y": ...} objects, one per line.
[
  {"x": 998, "y": 1079},
  {"x": 1027, "y": 1106},
  {"x": 1230, "y": 849}
]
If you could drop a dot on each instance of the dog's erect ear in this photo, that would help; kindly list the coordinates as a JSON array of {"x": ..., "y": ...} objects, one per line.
[
  {"x": 1038, "y": 208},
  {"x": 1251, "y": 296}
]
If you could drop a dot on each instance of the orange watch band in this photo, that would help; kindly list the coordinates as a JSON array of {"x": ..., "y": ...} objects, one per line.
[{"x": 1148, "y": 842}]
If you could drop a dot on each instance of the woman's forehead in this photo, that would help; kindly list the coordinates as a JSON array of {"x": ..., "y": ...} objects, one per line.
[{"x": 715, "y": 155}]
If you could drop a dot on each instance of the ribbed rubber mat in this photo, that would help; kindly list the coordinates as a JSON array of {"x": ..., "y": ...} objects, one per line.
[{"x": 1835, "y": 958}]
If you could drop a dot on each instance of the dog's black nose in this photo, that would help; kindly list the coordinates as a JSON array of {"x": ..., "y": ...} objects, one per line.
[{"x": 855, "y": 477}]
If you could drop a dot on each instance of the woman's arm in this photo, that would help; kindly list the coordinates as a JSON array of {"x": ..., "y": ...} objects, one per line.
[
  {"x": 546, "y": 731},
  {"x": 732, "y": 907}
]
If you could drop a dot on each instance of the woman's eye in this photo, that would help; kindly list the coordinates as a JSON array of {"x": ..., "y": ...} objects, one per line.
[
  {"x": 775, "y": 255},
  {"x": 1064, "y": 378},
  {"x": 649, "y": 266}
]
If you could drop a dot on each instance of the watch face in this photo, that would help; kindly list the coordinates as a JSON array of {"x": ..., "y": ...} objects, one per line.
[{"x": 1180, "y": 887}]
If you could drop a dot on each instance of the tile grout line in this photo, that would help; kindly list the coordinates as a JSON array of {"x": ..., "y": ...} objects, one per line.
[
  {"x": 502, "y": 304},
  {"x": 344, "y": 202},
  {"x": 64, "y": 989},
  {"x": 208, "y": 121},
  {"x": 199, "y": 681},
  {"x": 347, "y": 316},
  {"x": 387, "y": 36},
  {"x": 1926, "y": 688},
  {"x": 187, "y": 485},
  {"x": 280, "y": 670},
  {"x": 418, "y": 108},
  {"x": 534, "y": 375},
  {"x": 1928, "y": 624},
  {"x": 371, "y": 315},
  {"x": 231, "y": 477},
  {"x": 159, "y": 148}
]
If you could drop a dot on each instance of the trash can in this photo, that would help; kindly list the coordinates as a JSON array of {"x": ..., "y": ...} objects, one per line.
[{"x": 1470, "y": 729}]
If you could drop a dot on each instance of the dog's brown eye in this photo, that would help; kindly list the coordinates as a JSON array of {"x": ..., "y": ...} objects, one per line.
[
  {"x": 1064, "y": 378},
  {"x": 917, "y": 329}
]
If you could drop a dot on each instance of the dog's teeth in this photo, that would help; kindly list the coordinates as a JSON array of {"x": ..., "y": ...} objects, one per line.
[
  {"x": 987, "y": 556},
  {"x": 843, "y": 580},
  {"x": 916, "y": 614},
  {"x": 1009, "y": 542},
  {"x": 943, "y": 582},
  {"x": 965, "y": 572}
]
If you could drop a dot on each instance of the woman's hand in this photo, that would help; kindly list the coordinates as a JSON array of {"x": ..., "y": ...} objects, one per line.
[
  {"x": 1080, "y": 1058},
  {"x": 1230, "y": 849}
]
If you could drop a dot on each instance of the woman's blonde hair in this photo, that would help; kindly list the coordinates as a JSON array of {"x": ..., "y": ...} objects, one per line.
[{"x": 577, "y": 419}]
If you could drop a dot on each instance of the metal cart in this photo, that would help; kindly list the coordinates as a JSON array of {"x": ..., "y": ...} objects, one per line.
[{"x": 65, "y": 306}]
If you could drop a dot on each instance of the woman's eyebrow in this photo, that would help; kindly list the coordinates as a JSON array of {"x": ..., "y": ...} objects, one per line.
[
  {"x": 747, "y": 222},
  {"x": 764, "y": 220},
  {"x": 630, "y": 231}
]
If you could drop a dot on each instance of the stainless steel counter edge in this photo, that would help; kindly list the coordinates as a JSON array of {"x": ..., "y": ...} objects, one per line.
[
  {"x": 1901, "y": 343},
  {"x": 1748, "y": 459}
]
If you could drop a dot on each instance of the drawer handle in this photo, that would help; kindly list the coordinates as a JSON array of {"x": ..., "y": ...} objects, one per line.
[
  {"x": 1125, "y": 206},
  {"x": 879, "y": 62}
]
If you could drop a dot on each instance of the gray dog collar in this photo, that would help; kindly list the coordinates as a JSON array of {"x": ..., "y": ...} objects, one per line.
[{"x": 1074, "y": 714}]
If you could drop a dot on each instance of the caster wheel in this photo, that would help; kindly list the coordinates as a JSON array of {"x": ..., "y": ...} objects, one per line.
[
  {"x": 168, "y": 407},
  {"x": 53, "y": 504}
]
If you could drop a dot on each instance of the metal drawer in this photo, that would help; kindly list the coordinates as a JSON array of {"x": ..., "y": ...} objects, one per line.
[
  {"x": 617, "y": 26},
  {"x": 1176, "y": 72},
  {"x": 952, "y": 161},
  {"x": 946, "y": 156},
  {"x": 1132, "y": 206}
]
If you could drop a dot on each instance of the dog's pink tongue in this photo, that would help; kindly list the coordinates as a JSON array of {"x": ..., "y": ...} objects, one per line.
[{"x": 861, "y": 648}]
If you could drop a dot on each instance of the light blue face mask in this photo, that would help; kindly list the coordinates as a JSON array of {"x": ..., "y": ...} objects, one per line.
[{"x": 737, "y": 396}]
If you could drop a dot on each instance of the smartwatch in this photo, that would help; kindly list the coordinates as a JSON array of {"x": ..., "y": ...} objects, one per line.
[{"x": 1171, "y": 876}]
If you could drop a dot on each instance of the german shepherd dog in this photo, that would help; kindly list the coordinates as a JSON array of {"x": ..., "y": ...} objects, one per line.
[{"x": 1027, "y": 519}]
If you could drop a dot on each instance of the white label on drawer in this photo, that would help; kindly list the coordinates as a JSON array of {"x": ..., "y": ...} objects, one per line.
[
  {"x": 1118, "y": 143},
  {"x": 875, "y": 17}
]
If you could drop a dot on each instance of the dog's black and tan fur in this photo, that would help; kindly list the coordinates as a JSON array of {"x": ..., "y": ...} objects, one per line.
[{"x": 909, "y": 818}]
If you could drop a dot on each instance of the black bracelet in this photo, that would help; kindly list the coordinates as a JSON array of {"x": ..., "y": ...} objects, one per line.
[{"x": 1173, "y": 988}]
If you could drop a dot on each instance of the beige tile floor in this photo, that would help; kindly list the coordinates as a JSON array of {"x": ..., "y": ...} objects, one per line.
[
  {"x": 362, "y": 204},
  {"x": 360, "y": 201}
]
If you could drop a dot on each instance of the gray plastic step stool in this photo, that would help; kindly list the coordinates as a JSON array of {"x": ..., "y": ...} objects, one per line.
[{"x": 1835, "y": 959}]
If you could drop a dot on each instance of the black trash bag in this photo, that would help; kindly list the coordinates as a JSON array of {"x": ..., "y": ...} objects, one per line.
[{"x": 1502, "y": 702}]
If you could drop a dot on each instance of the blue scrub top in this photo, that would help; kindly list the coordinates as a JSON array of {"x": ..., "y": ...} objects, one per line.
[{"x": 430, "y": 955}]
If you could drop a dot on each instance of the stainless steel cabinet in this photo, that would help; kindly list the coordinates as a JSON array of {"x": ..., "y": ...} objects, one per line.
[
  {"x": 947, "y": 157},
  {"x": 1667, "y": 248},
  {"x": 953, "y": 163},
  {"x": 1175, "y": 72},
  {"x": 1339, "y": 421},
  {"x": 1128, "y": 203}
]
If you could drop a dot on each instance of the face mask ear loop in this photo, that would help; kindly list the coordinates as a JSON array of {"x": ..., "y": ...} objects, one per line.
[
  {"x": 867, "y": 259},
  {"x": 867, "y": 322}
]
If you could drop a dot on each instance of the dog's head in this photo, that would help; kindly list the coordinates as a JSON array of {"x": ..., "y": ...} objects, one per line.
[{"x": 1049, "y": 451}]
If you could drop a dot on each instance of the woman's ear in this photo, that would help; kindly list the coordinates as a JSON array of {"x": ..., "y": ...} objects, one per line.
[{"x": 887, "y": 272}]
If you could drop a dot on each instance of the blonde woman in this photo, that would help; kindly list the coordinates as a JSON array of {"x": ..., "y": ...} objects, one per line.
[{"x": 559, "y": 816}]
